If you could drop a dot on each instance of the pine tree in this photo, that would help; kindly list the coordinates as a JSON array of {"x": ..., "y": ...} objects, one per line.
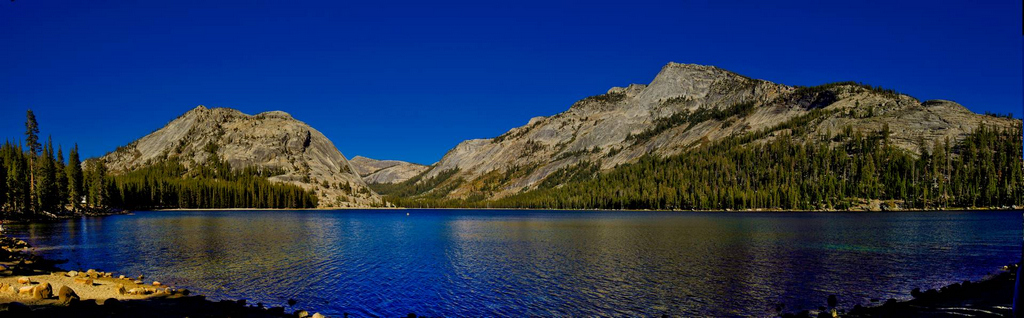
[
  {"x": 96, "y": 172},
  {"x": 74, "y": 176},
  {"x": 61, "y": 197},
  {"x": 32, "y": 141},
  {"x": 46, "y": 181},
  {"x": 3, "y": 180},
  {"x": 32, "y": 133},
  {"x": 18, "y": 186}
]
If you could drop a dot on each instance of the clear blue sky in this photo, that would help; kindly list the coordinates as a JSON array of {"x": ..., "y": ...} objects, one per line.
[{"x": 409, "y": 81}]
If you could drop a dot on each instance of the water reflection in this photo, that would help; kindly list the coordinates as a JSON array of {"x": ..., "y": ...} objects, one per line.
[{"x": 485, "y": 263}]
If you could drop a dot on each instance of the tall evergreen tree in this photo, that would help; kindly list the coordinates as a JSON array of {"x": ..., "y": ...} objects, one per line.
[
  {"x": 46, "y": 181},
  {"x": 32, "y": 133},
  {"x": 75, "y": 178},
  {"x": 96, "y": 172},
  {"x": 32, "y": 141},
  {"x": 61, "y": 197},
  {"x": 18, "y": 186},
  {"x": 3, "y": 181}
]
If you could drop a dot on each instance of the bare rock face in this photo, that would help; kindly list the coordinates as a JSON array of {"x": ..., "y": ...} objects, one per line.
[
  {"x": 269, "y": 140},
  {"x": 686, "y": 106},
  {"x": 385, "y": 171}
]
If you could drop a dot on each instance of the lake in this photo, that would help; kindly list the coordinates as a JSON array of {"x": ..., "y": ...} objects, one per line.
[{"x": 539, "y": 263}]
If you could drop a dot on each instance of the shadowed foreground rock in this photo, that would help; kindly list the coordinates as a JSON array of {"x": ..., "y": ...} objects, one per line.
[
  {"x": 991, "y": 297},
  {"x": 193, "y": 306}
]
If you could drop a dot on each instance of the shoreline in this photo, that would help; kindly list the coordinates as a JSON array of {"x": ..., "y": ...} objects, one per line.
[
  {"x": 32, "y": 285},
  {"x": 967, "y": 209}
]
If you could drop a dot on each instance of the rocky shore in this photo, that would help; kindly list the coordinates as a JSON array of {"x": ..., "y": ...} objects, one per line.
[{"x": 31, "y": 286}]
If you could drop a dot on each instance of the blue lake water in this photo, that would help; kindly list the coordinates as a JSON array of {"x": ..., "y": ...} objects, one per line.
[{"x": 539, "y": 263}]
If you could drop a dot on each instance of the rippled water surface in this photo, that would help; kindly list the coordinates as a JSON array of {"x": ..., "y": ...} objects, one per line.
[{"x": 539, "y": 263}]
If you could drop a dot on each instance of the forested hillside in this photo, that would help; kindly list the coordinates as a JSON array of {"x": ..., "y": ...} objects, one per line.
[
  {"x": 36, "y": 181},
  {"x": 169, "y": 185},
  {"x": 847, "y": 170},
  {"x": 684, "y": 108},
  {"x": 227, "y": 139}
]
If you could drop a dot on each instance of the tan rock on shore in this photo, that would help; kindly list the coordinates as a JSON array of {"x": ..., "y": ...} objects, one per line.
[{"x": 39, "y": 291}]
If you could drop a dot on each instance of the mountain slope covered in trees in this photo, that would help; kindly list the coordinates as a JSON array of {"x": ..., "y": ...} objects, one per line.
[
  {"x": 862, "y": 172},
  {"x": 230, "y": 146},
  {"x": 35, "y": 182},
  {"x": 699, "y": 137}
]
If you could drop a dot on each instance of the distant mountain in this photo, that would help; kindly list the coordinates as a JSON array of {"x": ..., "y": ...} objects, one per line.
[
  {"x": 685, "y": 107},
  {"x": 385, "y": 171},
  {"x": 272, "y": 143}
]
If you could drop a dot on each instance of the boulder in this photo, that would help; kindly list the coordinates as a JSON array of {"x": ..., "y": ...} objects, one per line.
[
  {"x": 916, "y": 293},
  {"x": 140, "y": 291},
  {"x": 72, "y": 273},
  {"x": 83, "y": 281},
  {"x": 42, "y": 291},
  {"x": 65, "y": 295},
  {"x": 301, "y": 313},
  {"x": 318, "y": 315},
  {"x": 24, "y": 280},
  {"x": 26, "y": 291},
  {"x": 111, "y": 302},
  {"x": 138, "y": 282},
  {"x": 156, "y": 283},
  {"x": 121, "y": 277}
]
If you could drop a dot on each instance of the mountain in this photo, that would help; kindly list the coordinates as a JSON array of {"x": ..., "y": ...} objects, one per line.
[
  {"x": 271, "y": 143},
  {"x": 685, "y": 107},
  {"x": 385, "y": 171}
]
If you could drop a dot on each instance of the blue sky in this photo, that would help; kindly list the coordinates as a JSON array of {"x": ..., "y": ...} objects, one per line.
[{"x": 408, "y": 81}]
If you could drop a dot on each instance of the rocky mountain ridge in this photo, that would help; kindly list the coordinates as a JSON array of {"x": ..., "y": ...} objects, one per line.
[
  {"x": 685, "y": 106},
  {"x": 272, "y": 140},
  {"x": 385, "y": 171}
]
